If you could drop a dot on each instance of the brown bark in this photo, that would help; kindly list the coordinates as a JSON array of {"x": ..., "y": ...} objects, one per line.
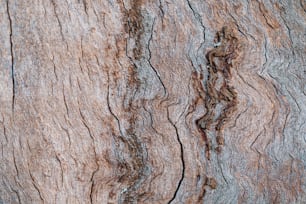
[{"x": 135, "y": 101}]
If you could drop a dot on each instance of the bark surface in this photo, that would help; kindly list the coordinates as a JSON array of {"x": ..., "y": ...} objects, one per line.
[{"x": 141, "y": 101}]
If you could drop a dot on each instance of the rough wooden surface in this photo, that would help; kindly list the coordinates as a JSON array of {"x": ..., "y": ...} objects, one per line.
[{"x": 169, "y": 101}]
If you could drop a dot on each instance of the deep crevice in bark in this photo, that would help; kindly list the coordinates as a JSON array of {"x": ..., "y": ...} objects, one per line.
[
  {"x": 12, "y": 55},
  {"x": 198, "y": 17},
  {"x": 182, "y": 158}
]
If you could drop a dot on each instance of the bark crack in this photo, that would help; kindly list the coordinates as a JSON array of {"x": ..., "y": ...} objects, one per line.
[
  {"x": 137, "y": 31},
  {"x": 161, "y": 9},
  {"x": 109, "y": 106},
  {"x": 83, "y": 119},
  {"x": 150, "y": 56},
  {"x": 86, "y": 125},
  {"x": 59, "y": 22},
  {"x": 14, "y": 161},
  {"x": 54, "y": 69},
  {"x": 67, "y": 133},
  {"x": 92, "y": 184},
  {"x": 198, "y": 17},
  {"x": 17, "y": 194},
  {"x": 62, "y": 172},
  {"x": 265, "y": 54},
  {"x": 4, "y": 129},
  {"x": 36, "y": 187},
  {"x": 289, "y": 34},
  {"x": 182, "y": 158},
  {"x": 12, "y": 56},
  {"x": 65, "y": 101}
]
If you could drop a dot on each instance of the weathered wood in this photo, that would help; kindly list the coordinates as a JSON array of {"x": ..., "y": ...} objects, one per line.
[{"x": 169, "y": 101}]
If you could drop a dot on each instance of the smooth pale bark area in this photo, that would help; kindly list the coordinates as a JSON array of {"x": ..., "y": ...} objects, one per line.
[{"x": 169, "y": 101}]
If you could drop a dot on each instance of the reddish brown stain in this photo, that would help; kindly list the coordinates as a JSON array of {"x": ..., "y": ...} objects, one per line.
[
  {"x": 211, "y": 182},
  {"x": 134, "y": 26},
  {"x": 219, "y": 69}
]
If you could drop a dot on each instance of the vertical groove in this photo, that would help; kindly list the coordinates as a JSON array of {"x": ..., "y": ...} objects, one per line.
[
  {"x": 182, "y": 159},
  {"x": 12, "y": 55}
]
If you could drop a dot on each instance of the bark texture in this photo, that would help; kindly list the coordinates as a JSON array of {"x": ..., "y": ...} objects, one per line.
[{"x": 141, "y": 101}]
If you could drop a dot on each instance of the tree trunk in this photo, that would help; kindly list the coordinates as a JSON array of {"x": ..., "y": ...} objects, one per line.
[{"x": 169, "y": 101}]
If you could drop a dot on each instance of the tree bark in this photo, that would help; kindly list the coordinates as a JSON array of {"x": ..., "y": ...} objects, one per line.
[{"x": 169, "y": 101}]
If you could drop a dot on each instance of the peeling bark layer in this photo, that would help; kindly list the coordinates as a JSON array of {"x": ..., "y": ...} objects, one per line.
[{"x": 135, "y": 101}]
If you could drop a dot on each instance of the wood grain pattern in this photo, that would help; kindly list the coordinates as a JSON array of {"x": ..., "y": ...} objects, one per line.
[{"x": 168, "y": 101}]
